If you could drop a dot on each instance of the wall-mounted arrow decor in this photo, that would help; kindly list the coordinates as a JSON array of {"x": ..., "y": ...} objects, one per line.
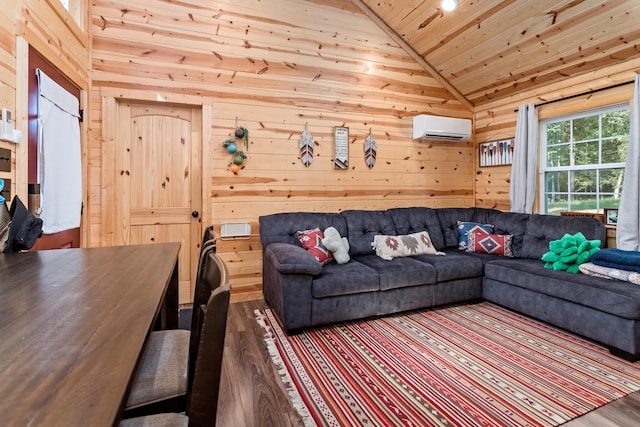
[
  {"x": 306, "y": 146},
  {"x": 370, "y": 150}
]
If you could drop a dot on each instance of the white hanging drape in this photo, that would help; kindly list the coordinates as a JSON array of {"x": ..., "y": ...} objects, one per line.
[
  {"x": 60, "y": 159},
  {"x": 628, "y": 226},
  {"x": 523, "y": 169}
]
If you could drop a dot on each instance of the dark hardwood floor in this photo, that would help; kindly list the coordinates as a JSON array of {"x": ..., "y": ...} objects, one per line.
[{"x": 251, "y": 393}]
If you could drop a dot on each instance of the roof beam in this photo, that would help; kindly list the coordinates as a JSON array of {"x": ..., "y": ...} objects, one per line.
[{"x": 415, "y": 55}]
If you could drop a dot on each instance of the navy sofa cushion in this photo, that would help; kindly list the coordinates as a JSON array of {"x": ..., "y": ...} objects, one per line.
[
  {"x": 363, "y": 225},
  {"x": 400, "y": 272},
  {"x": 415, "y": 220},
  {"x": 449, "y": 218},
  {"x": 542, "y": 229},
  {"x": 610, "y": 296},
  {"x": 344, "y": 279},
  {"x": 282, "y": 227},
  {"x": 288, "y": 259},
  {"x": 503, "y": 223},
  {"x": 514, "y": 224},
  {"x": 454, "y": 265}
]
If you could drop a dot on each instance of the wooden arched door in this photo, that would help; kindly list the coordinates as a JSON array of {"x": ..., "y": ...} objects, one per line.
[{"x": 158, "y": 181}]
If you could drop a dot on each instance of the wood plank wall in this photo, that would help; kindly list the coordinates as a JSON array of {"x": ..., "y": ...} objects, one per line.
[
  {"x": 273, "y": 68},
  {"x": 45, "y": 25},
  {"x": 8, "y": 20},
  {"x": 497, "y": 120},
  {"x": 276, "y": 67}
]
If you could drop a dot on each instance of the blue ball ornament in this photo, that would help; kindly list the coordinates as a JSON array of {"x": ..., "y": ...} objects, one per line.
[{"x": 231, "y": 148}]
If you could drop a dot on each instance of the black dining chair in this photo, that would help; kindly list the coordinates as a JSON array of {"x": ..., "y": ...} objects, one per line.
[
  {"x": 164, "y": 374},
  {"x": 202, "y": 397},
  {"x": 208, "y": 235}
]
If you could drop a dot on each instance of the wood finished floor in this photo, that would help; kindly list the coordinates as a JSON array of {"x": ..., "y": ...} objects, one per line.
[{"x": 251, "y": 394}]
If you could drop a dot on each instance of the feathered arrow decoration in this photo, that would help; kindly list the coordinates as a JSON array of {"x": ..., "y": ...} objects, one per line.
[
  {"x": 306, "y": 147},
  {"x": 370, "y": 149}
]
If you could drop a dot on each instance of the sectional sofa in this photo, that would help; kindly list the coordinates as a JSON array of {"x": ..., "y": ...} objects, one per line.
[{"x": 305, "y": 293}]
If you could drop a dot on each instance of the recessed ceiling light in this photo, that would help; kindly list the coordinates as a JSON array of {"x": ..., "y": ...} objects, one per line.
[{"x": 449, "y": 5}]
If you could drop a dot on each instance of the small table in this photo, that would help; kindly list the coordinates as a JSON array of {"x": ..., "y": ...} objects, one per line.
[{"x": 73, "y": 323}]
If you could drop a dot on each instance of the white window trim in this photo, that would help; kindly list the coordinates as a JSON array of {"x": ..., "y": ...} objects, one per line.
[{"x": 543, "y": 146}]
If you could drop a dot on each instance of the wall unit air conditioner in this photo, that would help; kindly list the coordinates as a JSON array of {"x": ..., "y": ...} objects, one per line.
[{"x": 438, "y": 128}]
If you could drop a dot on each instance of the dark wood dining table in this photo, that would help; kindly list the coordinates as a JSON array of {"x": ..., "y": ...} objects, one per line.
[{"x": 73, "y": 323}]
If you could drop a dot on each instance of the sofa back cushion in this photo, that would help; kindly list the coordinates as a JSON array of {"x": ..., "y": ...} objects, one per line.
[
  {"x": 503, "y": 223},
  {"x": 415, "y": 220},
  {"x": 514, "y": 224},
  {"x": 449, "y": 218},
  {"x": 363, "y": 225},
  {"x": 282, "y": 227},
  {"x": 542, "y": 229}
]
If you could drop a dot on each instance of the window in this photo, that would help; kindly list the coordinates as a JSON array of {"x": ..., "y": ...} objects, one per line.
[
  {"x": 585, "y": 156},
  {"x": 74, "y": 8}
]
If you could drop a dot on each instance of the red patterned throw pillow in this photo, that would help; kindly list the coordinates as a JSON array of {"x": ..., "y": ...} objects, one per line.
[
  {"x": 311, "y": 240},
  {"x": 465, "y": 228},
  {"x": 494, "y": 244}
]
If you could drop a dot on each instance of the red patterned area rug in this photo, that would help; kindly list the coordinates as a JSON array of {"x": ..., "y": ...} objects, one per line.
[{"x": 468, "y": 365}]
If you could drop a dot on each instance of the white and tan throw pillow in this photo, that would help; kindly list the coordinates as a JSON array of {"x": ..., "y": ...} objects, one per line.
[{"x": 389, "y": 247}]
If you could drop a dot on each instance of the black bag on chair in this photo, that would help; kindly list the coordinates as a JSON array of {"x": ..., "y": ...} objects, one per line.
[{"x": 25, "y": 228}]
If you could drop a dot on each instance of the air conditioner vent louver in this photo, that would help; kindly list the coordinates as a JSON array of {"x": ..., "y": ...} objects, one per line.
[
  {"x": 438, "y": 128},
  {"x": 444, "y": 137}
]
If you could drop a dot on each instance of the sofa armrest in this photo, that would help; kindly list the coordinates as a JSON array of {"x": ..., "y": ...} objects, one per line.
[{"x": 291, "y": 259}]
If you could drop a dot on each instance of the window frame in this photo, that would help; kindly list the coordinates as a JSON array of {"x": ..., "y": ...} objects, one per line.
[
  {"x": 543, "y": 159},
  {"x": 76, "y": 10}
]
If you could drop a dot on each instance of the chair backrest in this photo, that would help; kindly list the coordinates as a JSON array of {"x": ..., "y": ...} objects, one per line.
[
  {"x": 208, "y": 236},
  {"x": 201, "y": 292},
  {"x": 202, "y": 399},
  {"x": 214, "y": 274},
  {"x": 208, "y": 244},
  {"x": 201, "y": 289}
]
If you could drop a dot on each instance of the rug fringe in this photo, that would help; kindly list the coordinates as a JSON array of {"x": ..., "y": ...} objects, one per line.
[{"x": 295, "y": 398}]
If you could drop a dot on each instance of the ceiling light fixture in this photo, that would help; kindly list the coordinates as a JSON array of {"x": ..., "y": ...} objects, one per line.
[{"x": 449, "y": 5}]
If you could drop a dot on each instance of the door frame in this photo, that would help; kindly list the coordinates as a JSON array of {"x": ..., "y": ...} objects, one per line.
[
  {"x": 110, "y": 101},
  {"x": 78, "y": 79},
  {"x": 67, "y": 238}
]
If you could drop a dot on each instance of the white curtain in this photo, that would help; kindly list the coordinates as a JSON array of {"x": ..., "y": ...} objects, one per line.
[
  {"x": 60, "y": 159},
  {"x": 523, "y": 170},
  {"x": 628, "y": 227}
]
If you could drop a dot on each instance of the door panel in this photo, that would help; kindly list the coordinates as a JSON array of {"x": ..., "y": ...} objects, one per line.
[
  {"x": 143, "y": 234},
  {"x": 158, "y": 181}
]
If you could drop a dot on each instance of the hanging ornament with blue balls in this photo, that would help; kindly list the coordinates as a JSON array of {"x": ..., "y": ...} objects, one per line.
[
  {"x": 230, "y": 145},
  {"x": 237, "y": 156},
  {"x": 243, "y": 134}
]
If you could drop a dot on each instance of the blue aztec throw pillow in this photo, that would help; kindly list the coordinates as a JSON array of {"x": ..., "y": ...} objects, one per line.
[{"x": 464, "y": 228}]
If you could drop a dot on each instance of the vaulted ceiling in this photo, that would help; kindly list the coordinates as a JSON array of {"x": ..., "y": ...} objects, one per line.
[{"x": 492, "y": 49}]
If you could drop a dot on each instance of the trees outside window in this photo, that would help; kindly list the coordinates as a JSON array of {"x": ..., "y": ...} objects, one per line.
[{"x": 583, "y": 159}]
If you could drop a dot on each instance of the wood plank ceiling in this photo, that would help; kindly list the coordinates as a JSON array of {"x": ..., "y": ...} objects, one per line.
[{"x": 492, "y": 49}]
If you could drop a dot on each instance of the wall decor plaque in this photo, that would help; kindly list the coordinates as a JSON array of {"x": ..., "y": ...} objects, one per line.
[
  {"x": 341, "y": 156},
  {"x": 496, "y": 153}
]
